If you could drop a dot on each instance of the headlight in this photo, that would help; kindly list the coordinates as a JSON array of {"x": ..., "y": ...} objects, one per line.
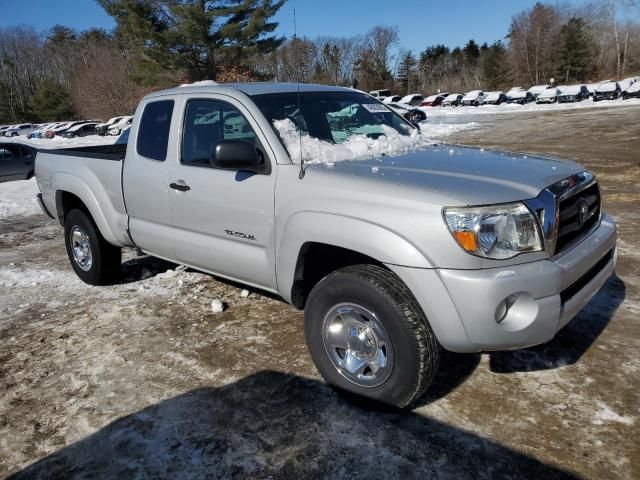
[{"x": 498, "y": 232}]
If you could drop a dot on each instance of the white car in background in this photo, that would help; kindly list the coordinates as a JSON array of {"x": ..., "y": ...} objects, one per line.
[
  {"x": 117, "y": 128},
  {"x": 550, "y": 95},
  {"x": 102, "y": 128},
  {"x": 391, "y": 99},
  {"x": 414, "y": 99},
  {"x": 473, "y": 98},
  {"x": 537, "y": 90},
  {"x": 21, "y": 129},
  {"x": 494, "y": 98},
  {"x": 592, "y": 87},
  {"x": 631, "y": 92},
  {"x": 452, "y": 100}
]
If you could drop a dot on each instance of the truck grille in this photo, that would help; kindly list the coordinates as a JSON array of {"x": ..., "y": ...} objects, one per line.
[{"x": 577, "y": 216}]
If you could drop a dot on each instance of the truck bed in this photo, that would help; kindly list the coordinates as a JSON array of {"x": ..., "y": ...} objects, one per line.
[{"x": 93, "y": 174}]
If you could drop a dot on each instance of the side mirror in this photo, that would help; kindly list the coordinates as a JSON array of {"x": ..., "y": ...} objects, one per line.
[{"x": 238, "y": 155}]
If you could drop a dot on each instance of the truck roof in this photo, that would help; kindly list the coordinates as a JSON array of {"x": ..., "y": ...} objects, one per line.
[{"x": 251, "y": 88}]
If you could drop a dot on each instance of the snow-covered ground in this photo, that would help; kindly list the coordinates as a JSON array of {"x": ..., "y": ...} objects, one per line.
[
  {"x": 435, "y": 112},
  {"x": 18, "y": 198}
]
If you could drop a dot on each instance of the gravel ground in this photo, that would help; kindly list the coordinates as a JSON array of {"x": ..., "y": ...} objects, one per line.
[{"x": 143, "y": 380}]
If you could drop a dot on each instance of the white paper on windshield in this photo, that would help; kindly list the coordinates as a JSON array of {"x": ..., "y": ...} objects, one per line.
[{"x": 375, "y": 107}]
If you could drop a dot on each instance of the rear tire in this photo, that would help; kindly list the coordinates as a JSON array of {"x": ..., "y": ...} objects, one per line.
[
  {"x": 94, "y": 260},
  {"x": 368, "y": 336}
]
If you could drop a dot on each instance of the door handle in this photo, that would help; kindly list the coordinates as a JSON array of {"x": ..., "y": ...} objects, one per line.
[{"x": 181, "y": 187}]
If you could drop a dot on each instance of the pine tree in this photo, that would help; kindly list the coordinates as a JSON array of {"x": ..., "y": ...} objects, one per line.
[
  {"x": 196, "y": 36},
  {"x": 495, "y": 71},
  {"x": 407, "y": 72},
  {"x": 574, "y": 54},
  {"x": 50, "y": 102}
]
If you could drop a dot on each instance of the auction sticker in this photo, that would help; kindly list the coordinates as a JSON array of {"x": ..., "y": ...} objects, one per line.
[{"x": 375, "y": 107}]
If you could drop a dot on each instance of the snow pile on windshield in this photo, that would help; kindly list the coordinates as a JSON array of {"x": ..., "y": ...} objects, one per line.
[
  {"x": 355, "y": 147},
  {"x": 633, "y": 88}
]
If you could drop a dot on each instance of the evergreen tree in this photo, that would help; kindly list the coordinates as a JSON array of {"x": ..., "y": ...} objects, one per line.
[
  {"x": 495, "y": 71},
  {"x": 574, "y": 54},
  {"x": 196, "y": 36},
  {"x": 50, "y": 102},
  {"x": 406, "y": 72},
  {"x": 471, "y": 52}
]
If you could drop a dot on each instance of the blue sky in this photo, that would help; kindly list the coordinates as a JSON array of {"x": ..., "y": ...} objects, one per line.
[{"x": 421, "y": 22}]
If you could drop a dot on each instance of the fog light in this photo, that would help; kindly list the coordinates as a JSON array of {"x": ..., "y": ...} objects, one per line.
[{"x": 517, "y": 311}]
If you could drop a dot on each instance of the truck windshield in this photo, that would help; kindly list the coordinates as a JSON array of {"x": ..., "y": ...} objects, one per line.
[{"x": 331, "y": 119}]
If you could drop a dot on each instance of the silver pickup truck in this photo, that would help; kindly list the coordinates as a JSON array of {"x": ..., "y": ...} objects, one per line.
[{"x": 392, "y": 257}]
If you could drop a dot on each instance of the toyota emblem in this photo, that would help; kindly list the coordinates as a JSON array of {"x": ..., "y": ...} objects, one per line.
[{"x": 583, "y": 212}]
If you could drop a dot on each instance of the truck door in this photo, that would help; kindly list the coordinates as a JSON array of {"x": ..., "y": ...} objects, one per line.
[
  {"x": 145, "y": 183},
  {"x": 223, "y": 220}
]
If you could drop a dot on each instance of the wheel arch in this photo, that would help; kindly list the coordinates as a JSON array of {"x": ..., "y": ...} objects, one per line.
[{"x": 314, "y": 243}]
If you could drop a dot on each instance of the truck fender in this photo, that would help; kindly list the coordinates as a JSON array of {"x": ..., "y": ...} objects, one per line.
[
  {"x": 373, "y": 240},
  {"x": 64, "y": 182}
]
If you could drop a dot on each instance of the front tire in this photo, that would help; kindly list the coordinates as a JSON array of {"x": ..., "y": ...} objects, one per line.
[
  {"x": 94, "y": 260},
  {"x": 368, "y": 336}
]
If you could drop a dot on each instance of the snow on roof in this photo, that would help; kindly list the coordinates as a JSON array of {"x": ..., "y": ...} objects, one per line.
[
  {"x": 201, "y": 83},
  {"x": 431, "y": 98},
  {"x": 79, "y": 126},
  {"x": 537, "y": 89},
  {"x": 492, "y": 95},
  {"x": 626, "y": 83},
  {"x": 549, "y": 92},
  {"x": 633, "y": 88},
  {"x": 607, "y": 87},
  {"x": 472, "y": 94},
  {"x": 517, "y": 93},
  {"x": 452, "y": 96},
  {"x": 408, "y": 98},
  {"x": 514, "y": 90}
]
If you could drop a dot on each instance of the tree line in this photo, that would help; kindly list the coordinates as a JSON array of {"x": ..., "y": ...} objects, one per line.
[{"x": 156, "y": 44}]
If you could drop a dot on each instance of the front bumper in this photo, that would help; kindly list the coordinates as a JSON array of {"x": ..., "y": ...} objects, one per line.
[{"x": 463, "y": 306}]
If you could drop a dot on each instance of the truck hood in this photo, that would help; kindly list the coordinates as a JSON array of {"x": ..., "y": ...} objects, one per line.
[{"x": 471, "y": 176}]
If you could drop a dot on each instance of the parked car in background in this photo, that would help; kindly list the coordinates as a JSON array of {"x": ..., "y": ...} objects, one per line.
[
  {"x": 536, "y": 90},
  {"x": 17, "y": 161},
  {"x": 434, "y": 100},
  {"x": 626, "y": 83},
  {"x": 607, "y": 91},
  {"x": 380, "y": 94},
  {"x": 473, "y": 98},
  {"x": 592, "y": 87},
  {"x": 39, "y": 132},
  {"x": 494, "y": 98},
  {"x": 101, "y": 128},
  {"x": 520, "y": 96},
  {"x": 632, "y": 92},
  {"x": 413, "y": 114},
  {"x": 61, "y": 127},
  {"x": 392, "y": 99},
  {"x": 573, "y": 93},
  {"x": 550, "y": 95},
  {"x": 4, "y": 128},
  {"x": 452, "y": 100},
  {"x": 22, "y": 129},
  {"x": 415, "y": 99},
  {"x": 116, "y": 128},
  {"x": 80, "y": 130}
]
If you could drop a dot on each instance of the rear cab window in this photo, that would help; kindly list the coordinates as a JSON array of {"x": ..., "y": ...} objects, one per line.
[{"x": 153, "y": 132}]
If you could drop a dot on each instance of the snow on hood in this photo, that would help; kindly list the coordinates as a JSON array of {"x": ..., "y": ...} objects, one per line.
[
  {"x": 431, "y": 98},
  {"x": 571, "y": 90},
  {"x": 607, "y": 87},
  {"x": 356, "y": 147},
  {"x": 517, "y": 94},
  {"x": 451, "y": 97},
  {"x": 201, "y": 83}
]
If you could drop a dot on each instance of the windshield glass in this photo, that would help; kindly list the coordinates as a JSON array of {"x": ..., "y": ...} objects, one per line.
[{"x": 336, "y": 126}]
